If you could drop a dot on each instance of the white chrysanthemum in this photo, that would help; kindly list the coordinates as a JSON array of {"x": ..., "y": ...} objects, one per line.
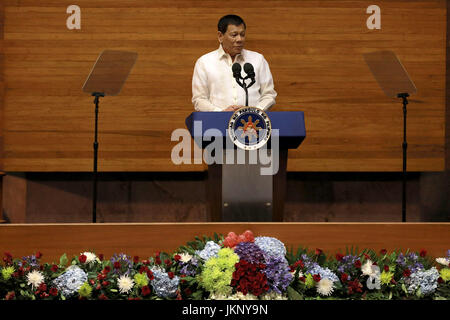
[
  {"x": 35, "y": 278},
  {"x": 443, "y": 261},
  {"x": 366, "y": 268},
  {"x": 90, "y": 257},
  {"x": 325, "y": 287},
  {"x": 185, "y": 257},
  {"x": 125, "y": 284}
]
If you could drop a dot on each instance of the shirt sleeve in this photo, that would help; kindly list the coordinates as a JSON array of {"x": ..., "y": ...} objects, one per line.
[
  {"x": 200, "y": 90},
  {"x": 267, "y": 91}
]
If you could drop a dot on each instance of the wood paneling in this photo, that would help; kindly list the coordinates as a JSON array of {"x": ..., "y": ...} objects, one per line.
[
  {"x": 314, "y": 50},
  {"x": 145, "y": 239}
]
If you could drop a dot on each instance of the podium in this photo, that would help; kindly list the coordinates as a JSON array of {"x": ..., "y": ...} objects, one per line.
[{"x": 237, "y": 191}]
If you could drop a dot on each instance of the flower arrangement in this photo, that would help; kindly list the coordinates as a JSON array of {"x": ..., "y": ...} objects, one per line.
[{"x": 235, "y": 267}]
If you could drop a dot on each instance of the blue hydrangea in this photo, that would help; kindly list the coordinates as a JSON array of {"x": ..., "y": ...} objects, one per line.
[
  {"x": 323, "y": 272},
  {"x": 425, "y": 280},
  {"x": 162, "y": 285},
  {"x": 249, "y": 252},
  {"x": 272, "y": 247},
  {"x": 70, "y": 281},
  {"x": 210, "y": 250},
  {"x": 278, "y": 274}
]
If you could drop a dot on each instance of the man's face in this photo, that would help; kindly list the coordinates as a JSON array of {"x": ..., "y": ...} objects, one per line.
[{"x": 233, "y": 40}]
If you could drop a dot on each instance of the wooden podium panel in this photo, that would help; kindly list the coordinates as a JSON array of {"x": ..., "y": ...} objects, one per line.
[{"x": 144, "y": 240}]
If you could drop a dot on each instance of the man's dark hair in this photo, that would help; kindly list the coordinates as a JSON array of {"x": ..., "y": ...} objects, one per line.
[{"x": 235, "y": 20}]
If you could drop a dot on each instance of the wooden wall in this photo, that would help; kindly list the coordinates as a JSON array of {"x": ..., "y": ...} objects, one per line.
[
  {"x": 314, "y": 50},
  {"x": 145, "y": 239}
]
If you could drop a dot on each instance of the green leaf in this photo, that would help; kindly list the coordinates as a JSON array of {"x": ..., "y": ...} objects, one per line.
[
  {"x": 22, "y": 285},
  {"x": 404, "y": 288},
  {"x": 63, "y": 260},
  {"x": 113, "y": 290},
  {"x": 293, "y": 294}
]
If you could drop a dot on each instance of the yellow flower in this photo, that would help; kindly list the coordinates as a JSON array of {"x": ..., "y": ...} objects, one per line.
[
  {"x": 7, "y": 272},
  {"x": 386, "y": 277},
  {"x": 445, "y": 274},
  {"x": 309, "y": 281},
  {"x": 141, "y": 280},
  {"x": 85, "y": 290}
]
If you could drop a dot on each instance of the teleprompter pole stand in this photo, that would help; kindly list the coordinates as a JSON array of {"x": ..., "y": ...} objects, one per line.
[
  {"x": 404, "y": 96},
  {"x": 97, "y": 96}
]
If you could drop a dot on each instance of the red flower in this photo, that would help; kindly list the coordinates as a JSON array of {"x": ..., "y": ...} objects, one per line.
[
  {"x": 117, "y": 265},
  {"x": 248, "y": 278},
  {"x": 101, "y": 256},
  {"x": 354, "y": 286},
  {"x": 440, "y": 280},
  {"x": 383, "y": 251},
  {"x": 339, "y": 256},
  {"x": 53, "y": 292},
  {"x": 393, "y": 281},
  {"x": 157, "y": 260},
  {"x": 42, "y": 287},
  {"x": 150, "y": 275},
  {"x": 135, "y": 259},
  {"x": 168, "y": 262},
  {"x": 344, "y": 277},
  {"x": 406, "y": 273},
  {"x": 105, "y": 283},
  {"x": 103, "y": 297},
  {"x": 423, "y": 253},
  {"x": 170, "y": 274},
  {"x": 316, "y": 277},
  {"x": 54, "y": 268},
  {"x": 146, "y": 262},
  {"x": 106, "y": 270},
  {"x": 357, "y": 264},
  {"x": 82, "y": 258},
  {"x": 38, "y": 255},
  {"x": 177, "y": 257},
  {"x": 318, "y": 251},
  {"x": 366, "y": 256},
  {"x": 8, "y": 259},
  {"x": 232, "y": 239},
  {"x": 145, "y": 291},
  {"x": 386, "y": 268},
  {"x": 303, "y": 279},
  {"x": 187, "y": 291}
]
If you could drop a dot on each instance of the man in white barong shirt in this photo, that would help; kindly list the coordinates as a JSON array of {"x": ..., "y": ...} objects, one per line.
[{"x": 213, "y": 85}]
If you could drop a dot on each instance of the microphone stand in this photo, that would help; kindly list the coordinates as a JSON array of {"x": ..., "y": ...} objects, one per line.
[
  {"x": 245, "y": 86},
  {"x": 97, "y": 96},
  {"x": 404, "y": 96}
]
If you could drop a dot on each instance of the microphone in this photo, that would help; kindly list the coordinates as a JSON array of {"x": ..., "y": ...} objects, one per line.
[
  {"x": 249, "y": 70},
  {"x": 237, "y": 73},
  {"x": 236, "y": 70}
]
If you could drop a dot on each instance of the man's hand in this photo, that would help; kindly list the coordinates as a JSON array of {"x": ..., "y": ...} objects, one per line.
[{"x": 233, "y": 108}]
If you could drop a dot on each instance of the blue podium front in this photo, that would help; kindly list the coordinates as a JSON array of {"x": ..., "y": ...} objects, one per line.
[{"x": 240, "y": 191}]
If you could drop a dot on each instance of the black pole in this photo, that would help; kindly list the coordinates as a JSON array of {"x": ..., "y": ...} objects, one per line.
[
  {"x": 246, "y": 94},
  {"x": 404, "y": 96},
  {"x": 97, "y": 95}
]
